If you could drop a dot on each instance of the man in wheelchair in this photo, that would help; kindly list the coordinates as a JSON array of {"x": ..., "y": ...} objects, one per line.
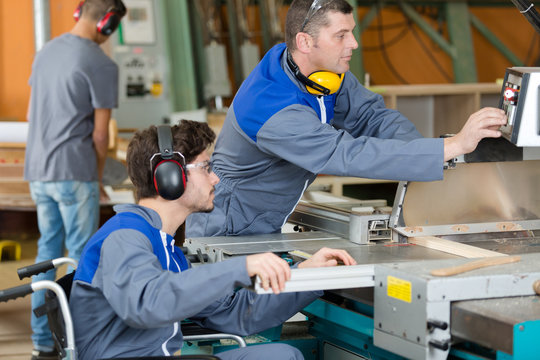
[{"x": 133, "y": 287}]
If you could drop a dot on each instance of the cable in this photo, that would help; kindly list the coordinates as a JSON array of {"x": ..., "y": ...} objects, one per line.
[
  {"x": 389, "y": 43},
  {"x": 429, "y": 54},
  {"x": 385, "y": 54},
  {"x": 387, "y": 26},
  {"x": 533, "y": 45},
  {"x": 528, "y": 10}
]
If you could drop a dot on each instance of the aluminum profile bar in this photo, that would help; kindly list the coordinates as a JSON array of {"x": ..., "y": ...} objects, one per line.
[{"x": 326, "y": 278}]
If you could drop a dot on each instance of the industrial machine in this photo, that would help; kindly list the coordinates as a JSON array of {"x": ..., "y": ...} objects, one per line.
[
  {"x": 416, "y": 293},
  {"x": 140, "y": 51}
]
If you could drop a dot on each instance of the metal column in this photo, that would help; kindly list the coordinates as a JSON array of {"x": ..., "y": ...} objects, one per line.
[
  {"x": 459, "y": 29},
  {"x": 183, "y": 86},
  {"x": 42, "y": 23}
]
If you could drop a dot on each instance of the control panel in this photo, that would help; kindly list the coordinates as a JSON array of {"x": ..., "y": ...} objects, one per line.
[{"x": 520, "y": 99}]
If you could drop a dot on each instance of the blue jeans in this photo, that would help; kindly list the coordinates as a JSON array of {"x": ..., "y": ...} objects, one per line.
[{"x": 68, "y": 215}]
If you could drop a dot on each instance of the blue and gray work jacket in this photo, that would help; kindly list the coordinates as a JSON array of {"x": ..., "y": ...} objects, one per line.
[
  {"x": 133, "y": 287},
  {"x": 277, "y": 137}
]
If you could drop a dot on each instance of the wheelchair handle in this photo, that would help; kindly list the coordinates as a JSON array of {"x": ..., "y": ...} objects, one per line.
[
  {"x": 44, "y": 266},
  {"x": 22, "y": 290},
  {"x": 15, "y": 292}
]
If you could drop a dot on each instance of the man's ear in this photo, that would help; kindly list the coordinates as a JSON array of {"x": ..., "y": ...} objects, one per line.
[{"x": 304, "y": 42}]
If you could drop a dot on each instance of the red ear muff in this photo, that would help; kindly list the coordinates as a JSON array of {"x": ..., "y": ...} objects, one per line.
[
  {"x": 169, "y": 175},
  {"x": 169, "y": 179},
  {"x": 109, "y": 22},
  {"x": 78, "y": 11}
]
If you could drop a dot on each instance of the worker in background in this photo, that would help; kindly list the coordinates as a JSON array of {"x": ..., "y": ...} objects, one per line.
[
  {"x": 74, "y": 87},
  {"x": 133, "y": 286},
  {"x": 283, "y": 128}
]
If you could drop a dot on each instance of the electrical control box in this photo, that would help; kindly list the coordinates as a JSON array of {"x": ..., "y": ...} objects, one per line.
[
  {"x": 140, "y": 50},
  {"x": 520, "y": 98}
]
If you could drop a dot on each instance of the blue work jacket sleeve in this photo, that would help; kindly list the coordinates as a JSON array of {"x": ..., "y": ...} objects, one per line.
[
  {"x": 145, "y": 296},
  {"x": 244, "y": 312},
  {"x": 297, "y": 135}
]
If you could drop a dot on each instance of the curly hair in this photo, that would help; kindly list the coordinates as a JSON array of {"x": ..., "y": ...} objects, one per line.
[
  {"x": 190, "y": 138},
  {"x": 297, "y": 14}
]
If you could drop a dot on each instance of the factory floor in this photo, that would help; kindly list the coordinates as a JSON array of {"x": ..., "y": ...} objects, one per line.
[{"x": 15, "y": 343}]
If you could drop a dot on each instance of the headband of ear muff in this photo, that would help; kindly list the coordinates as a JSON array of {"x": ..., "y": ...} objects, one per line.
[
  {"x": 169, "y": 174},
  {"x": 108, "y": 22},
  {"x": 319, "y": 82}
]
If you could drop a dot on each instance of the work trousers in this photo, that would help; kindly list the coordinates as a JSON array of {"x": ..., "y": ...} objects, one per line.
[{"x": 263, "y": 352}]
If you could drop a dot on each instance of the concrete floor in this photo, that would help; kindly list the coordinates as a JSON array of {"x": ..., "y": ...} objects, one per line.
[{"x": 15, "y": 343}]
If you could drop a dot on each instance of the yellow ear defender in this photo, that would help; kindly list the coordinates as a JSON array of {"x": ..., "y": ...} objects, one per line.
[
  {"x": 326, "y": 79},
  {"x": 318, "y": 83}
]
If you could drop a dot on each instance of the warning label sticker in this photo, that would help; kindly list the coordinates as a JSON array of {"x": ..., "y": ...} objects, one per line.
[{"x": 399, "y": 289}]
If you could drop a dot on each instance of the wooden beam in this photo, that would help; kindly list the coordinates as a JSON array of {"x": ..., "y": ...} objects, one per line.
[
  {"x": 453, "y": 247},
  {"x": 476, "y": 264}
]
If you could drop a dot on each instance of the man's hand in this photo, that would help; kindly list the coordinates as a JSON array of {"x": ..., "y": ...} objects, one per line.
[
  {"x": 327, "y": 257},
  {"x": 103, "y": 196},
  {"x": 272, "y": 270},
  {"x": 483, "y": 123}
]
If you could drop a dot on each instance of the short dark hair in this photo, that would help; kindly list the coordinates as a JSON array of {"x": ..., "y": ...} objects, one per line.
[
  {"x": 190, "y": 138},
  {"x": 297, "y": 14},
  {"x": 95, "y": 9}
]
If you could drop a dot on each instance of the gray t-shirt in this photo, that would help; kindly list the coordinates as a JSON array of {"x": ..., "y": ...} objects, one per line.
[{"x": 71, "y": 76}]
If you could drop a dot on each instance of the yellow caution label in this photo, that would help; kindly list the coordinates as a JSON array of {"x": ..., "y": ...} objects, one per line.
[
  {"x": 399, "y": 289},
  {"x": 156, "y": 89}
]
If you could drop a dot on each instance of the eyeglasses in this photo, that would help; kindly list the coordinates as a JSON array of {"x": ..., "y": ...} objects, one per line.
[
  {"x": 205, "y": 165},
  {"x": 315, "y": 6}
]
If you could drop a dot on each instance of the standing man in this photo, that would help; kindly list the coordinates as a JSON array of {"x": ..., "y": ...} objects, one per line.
[
  {"x": 74, "y": 87},
  {"x": 133, "y": 286},
  {"x": 283, "y": 128}
]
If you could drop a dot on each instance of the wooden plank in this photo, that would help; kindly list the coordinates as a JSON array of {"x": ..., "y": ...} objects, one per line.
[
  {"x": 12, "y": 170},
  {"x": 473, "y": 265},
  {"x": 15, "y": 145},
  {"x": 13, "y": 186},
  {"x": 12, "y": 154},
  {"x": 437, "y": 89},
  {"x": 452, "y": 247}
]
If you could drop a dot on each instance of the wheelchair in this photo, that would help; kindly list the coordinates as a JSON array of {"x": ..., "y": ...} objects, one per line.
[{"x": 56, "y": 308}]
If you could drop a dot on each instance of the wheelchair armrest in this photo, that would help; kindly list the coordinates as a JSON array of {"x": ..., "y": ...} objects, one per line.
[
  {"x": 178, "y": 357},
  {"x": 241, "y": 342},
  {"x": 194, "y": 332}
]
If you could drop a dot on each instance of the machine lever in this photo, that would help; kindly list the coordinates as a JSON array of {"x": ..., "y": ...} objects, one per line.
[
  {"x": 200, "y": 256},
  {"x": 432, "y": 324},
  {"x": 197, "y": 258},
  {"x": 441, "y": 345}
]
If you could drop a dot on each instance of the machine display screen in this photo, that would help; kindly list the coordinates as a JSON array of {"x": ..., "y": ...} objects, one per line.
[{"x": 137, "y": 14}]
